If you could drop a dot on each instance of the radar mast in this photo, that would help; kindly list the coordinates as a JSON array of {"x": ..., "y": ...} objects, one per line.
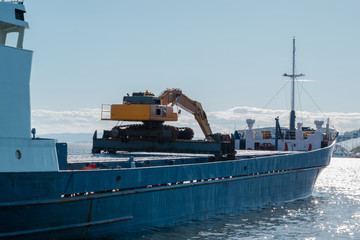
[{"x": 293, "y": 76}]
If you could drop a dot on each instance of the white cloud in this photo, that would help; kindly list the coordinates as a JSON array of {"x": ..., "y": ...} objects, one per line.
[
  {"x": 80, "y": 121},
  {"x": 88, "y": 120}
]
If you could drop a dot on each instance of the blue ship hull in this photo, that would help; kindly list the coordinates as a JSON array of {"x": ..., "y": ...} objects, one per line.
[{"x": 78, "y": 203}]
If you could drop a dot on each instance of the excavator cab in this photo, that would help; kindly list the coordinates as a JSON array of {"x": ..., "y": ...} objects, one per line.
[{"x": 142, "y": 98}]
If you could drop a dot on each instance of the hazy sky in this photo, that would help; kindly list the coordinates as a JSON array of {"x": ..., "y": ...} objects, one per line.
[{"x": 225, "y": 54}]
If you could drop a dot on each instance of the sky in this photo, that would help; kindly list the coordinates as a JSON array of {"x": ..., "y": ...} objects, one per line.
[{"x": 228, "y": 55}]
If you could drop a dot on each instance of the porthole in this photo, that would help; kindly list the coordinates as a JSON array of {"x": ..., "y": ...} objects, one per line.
[
  {"x": 118, "y": 179},
  {"x": 18, "y": 154}
]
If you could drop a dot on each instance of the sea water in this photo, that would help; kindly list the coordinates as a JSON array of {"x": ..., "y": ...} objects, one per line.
[{"x": 332, "y": 212}]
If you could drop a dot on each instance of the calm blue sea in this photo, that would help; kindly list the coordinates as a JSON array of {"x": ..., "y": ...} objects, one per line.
[{"x": 332, "y": 212}]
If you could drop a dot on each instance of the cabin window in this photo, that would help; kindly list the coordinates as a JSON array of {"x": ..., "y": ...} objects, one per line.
[
  {"x": 164, "y": 111},
  {"x": 11, "y": 39},
  {"x": 257, "y": 146},
  {"x": 19, "y": 14},
  {"x": 18, "y": 154},
  {"x": 158, "y": 111}
]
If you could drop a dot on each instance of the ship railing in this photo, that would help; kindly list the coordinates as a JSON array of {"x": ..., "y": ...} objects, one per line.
[
  {"x": 14, "y": 1},
  {"x": 106, "y": 112}
]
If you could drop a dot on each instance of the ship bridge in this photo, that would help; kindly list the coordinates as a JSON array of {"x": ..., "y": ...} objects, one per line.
[
  {"x": 12, "y": 21},
  {"x": 19, "y": 151}
]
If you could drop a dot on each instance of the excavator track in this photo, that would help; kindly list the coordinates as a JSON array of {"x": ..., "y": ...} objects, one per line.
[
  {"x": 150, "y": 132},
  {"x": 185, "y": 133}
]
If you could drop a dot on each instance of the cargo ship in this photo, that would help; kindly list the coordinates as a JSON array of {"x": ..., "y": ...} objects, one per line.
[{"x": 132, "y": 181}]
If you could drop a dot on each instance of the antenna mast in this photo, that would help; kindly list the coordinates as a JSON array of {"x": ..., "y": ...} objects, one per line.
[{"x": 293, "y": 76}]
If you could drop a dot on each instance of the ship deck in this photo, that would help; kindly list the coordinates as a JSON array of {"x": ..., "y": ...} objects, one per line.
[{"x": 145, "y": 159}]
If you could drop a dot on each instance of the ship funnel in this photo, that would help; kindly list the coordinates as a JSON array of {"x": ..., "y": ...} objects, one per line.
[
  {"x": 250, "y": 123},
  {"x": 318, "y": 124},
  {"x": 299, "y": 126}
]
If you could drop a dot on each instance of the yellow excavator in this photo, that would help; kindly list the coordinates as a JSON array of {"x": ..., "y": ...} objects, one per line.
[
  {"x": 153, "y": 111},
  {"x": 152, "y": 134}
]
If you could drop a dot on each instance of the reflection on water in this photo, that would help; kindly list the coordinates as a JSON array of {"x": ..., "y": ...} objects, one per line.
[
  {"x": 332, "y": 212},
  {"x": 282, "y": 221}
]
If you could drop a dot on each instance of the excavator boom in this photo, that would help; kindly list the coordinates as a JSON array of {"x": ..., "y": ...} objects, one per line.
[{"x": 174, "y": 96}]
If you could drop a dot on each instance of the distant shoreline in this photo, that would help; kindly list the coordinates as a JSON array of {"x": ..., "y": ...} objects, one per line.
[{"x": 69, "y": 137}]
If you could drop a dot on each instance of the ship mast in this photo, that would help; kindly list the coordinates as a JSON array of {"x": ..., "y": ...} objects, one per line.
[{"x": 293, "y": 76}]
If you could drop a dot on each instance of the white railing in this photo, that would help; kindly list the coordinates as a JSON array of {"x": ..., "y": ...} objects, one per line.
[{"x": 14, "y": 1}]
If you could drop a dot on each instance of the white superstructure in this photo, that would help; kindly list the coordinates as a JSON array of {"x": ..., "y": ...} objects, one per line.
[
  {"x": 282, "y": 139},
  {"x": 264, "y": 139},
  {"x": 18, "y": 152}
]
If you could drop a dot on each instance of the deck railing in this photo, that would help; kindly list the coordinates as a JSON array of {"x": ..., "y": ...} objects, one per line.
[{"x": 14, "y": 1}]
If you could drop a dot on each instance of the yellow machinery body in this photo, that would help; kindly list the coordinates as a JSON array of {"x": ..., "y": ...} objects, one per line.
[{"x": 141, "y": 112}]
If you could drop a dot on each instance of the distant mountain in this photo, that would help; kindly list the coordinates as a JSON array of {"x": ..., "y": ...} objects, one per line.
[{"x": 69, "y": 137}]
